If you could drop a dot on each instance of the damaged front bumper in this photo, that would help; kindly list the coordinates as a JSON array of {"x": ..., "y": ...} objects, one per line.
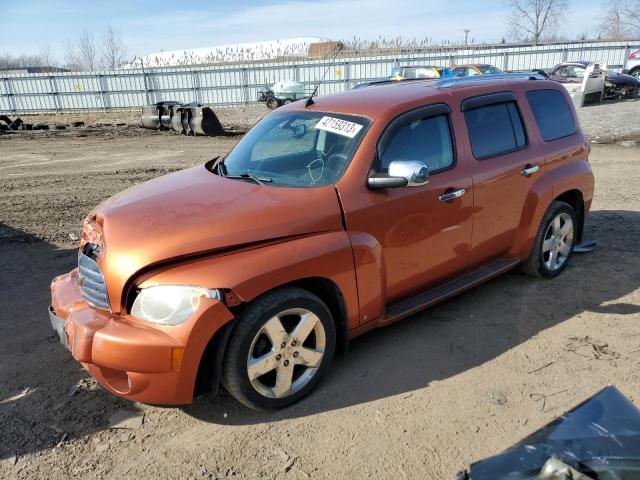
[
  {"x": 129, "y": 357},
  {"x": 57, "y": 324}
]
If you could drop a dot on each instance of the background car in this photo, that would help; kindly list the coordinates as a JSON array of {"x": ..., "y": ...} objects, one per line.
[
  {"x": 470, "y": 70},
  {"x": 413, "y": 72},
  {"x": 408, "y": 73},
  {"x": 632, "y": 65},
  {"x": 617, "y": 85}
]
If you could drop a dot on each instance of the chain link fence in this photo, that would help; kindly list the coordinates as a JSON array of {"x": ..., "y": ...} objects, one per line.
[{"x": 236, "y": 84}]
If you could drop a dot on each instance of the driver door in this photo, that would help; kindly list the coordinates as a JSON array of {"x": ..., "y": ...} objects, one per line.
[{"x": 423, "y": 237}]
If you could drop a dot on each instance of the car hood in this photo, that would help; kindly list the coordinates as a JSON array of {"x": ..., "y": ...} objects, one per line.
[
  {"x": 194, "y": 212},
  {"x": 621, "y": 78}
]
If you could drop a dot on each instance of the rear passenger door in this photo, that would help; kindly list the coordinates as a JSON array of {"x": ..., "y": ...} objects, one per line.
[{"x": 503, "y": 169}]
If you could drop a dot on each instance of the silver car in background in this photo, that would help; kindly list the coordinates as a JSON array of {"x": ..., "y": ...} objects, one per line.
[{"x": 632, "y": 65}]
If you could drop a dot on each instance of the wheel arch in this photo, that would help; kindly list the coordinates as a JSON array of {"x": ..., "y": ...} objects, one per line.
[
  {"x": 538, "y": 202},
  {"x": 575, "y": 198},
  {"x": 331, "y": 295},
  {"x": 317, "y": 263},
  {"x": 210, "y": 368}
]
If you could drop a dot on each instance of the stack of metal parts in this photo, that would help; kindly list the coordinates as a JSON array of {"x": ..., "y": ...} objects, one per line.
[{"x": 186, "y": 118}]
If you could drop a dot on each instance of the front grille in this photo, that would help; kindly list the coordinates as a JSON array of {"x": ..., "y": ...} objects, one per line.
[{"x": 92, "y": 286}]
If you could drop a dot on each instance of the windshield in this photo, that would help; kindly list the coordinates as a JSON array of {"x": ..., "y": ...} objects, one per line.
[
  {"x": 297, "y": 149},
  {"x": 488, "y": 69}
]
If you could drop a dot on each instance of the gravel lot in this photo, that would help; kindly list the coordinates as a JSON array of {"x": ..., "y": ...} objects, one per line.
[
  {"x": 611, "y": 121},
  {"x": 419, "y": 399}
]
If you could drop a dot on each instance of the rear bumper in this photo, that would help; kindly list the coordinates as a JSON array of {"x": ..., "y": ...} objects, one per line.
[{"x": 128, "y": 357}]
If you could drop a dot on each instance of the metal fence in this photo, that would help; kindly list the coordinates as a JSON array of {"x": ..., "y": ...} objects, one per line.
[{"x": 234, "y": 84}]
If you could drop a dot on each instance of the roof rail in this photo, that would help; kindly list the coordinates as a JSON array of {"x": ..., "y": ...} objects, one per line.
[
  {"x": 455, "y": 81},
  {"x": 374, "y": 83}
]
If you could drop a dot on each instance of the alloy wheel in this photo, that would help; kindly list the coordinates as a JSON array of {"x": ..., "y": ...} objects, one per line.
[
  {"x": 558, "y": 241},
  {"x": 286, "y": 353}
]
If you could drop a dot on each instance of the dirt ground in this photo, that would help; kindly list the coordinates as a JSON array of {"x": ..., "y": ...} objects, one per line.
[{"x": 419, "y": 399}]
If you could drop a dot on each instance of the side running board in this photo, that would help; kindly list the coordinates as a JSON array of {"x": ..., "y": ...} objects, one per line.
[{"x": 449, "y": 289}]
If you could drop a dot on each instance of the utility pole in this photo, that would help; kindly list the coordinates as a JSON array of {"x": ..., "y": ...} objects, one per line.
[{"x": 466, "y": 36}]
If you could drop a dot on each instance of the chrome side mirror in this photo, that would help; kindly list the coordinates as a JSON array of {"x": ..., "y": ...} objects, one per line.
[{"x": 415, "y": 171}]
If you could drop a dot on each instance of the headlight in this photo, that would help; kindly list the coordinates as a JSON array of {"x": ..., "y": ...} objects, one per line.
[{"x": 170, "y": 304}]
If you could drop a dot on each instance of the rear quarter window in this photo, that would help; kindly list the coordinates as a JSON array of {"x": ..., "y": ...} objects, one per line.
[
  {"x": 495, "y": 130},
  {"x": 552, "y": 113}
]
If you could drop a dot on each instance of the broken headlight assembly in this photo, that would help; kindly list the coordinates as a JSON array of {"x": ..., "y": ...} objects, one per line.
[{"x": 170, "y": 304}]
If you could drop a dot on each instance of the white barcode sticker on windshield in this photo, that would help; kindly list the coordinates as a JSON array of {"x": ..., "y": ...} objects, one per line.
[{"x": 339, "y": 126}]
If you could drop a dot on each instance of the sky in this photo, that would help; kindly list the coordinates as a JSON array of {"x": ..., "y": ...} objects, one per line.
[{"x": 27, "y": 26}]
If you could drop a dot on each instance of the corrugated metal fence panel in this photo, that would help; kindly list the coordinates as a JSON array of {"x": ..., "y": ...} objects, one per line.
[{"x": 234, "y": 84}]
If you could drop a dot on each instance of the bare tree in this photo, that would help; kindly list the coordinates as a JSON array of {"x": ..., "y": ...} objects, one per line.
[
  {"x": 532, "y": 20},
  {"x": 46, "y": 57},
  {"x": 614, "y": 22},
  {"x": 114, "y": 51},
  {"x": 71, "y": 58},
  {"x": 82, "y": 54},
  {"x": 621, "y": 19},
  {"x": 20, "y": 61},
  {"x": 633, "y": 15}
]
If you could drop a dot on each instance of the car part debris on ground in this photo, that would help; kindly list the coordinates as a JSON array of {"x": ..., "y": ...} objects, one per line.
[
  {"x": 597, "y": 439},
  {"x": 17, "y": 124},
  {"x": 187, "y": 118}
]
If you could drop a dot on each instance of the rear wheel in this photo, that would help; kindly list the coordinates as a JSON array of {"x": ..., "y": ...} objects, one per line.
[
  {"x": 554, "y": 242},
  {"x": 282, "y": 345}
]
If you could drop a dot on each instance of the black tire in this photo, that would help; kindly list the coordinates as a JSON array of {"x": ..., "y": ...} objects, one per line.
[
  {"x": 272, "y": 103},
  {"x": 535, "y": 265},
  {"x": 235, "y": 375}
]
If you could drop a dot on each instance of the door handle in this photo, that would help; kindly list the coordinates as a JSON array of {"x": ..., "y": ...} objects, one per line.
[
  {"x": 528, "y": 171},
  {"x": 445, "y": 197}
]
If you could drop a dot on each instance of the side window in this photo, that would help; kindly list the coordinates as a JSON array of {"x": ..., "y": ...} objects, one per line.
[
  {"x": 471, "y": 72},
  {"x": 428, "y": 140},
  {"x": 562, "y": 72},
  {"x": 495, "y": 130},
  {"x": 552, "y": 113}
]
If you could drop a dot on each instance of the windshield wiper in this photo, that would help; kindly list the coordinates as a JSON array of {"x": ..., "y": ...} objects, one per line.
[{"x": 251, "y": 176}]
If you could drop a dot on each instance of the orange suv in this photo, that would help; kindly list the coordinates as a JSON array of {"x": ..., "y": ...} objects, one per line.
[{"x": 329, "y": 218}]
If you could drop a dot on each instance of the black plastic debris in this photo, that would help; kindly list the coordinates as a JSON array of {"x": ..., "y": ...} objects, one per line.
[{"x": 17, "y": 124}]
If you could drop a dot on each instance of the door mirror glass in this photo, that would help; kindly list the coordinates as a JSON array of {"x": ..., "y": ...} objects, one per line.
[{"x": 414, "y": 171}]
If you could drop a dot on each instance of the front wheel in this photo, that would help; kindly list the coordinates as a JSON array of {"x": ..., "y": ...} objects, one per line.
[
  {"x": 272, "y": 103},
  {"x": 282, "y": 345},
  {"x": 554, "y": 242}
]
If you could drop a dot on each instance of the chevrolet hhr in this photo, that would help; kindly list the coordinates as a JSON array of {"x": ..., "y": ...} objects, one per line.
[{"x": 329, "y": 218}]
